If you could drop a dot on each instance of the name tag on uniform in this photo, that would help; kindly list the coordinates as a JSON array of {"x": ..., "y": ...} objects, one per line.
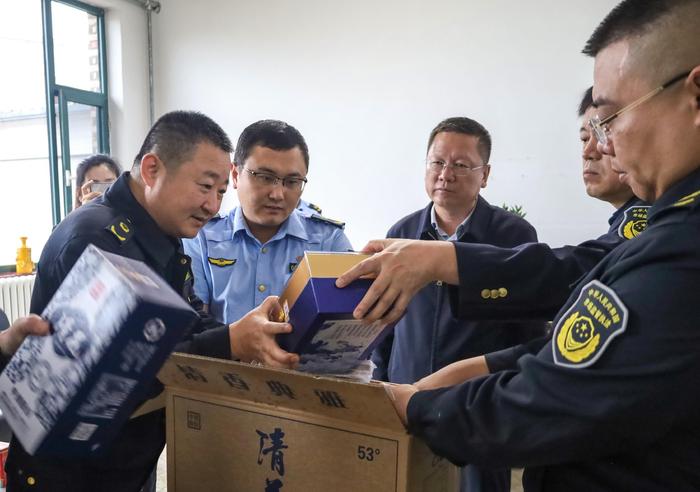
[{"x": 586, "y": 329}]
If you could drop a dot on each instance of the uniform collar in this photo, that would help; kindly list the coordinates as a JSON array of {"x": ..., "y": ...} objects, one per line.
[
  {"x": 293, "y": 226},
  {"x": 683, "y": 193},
  {"x": 629, "y": 203},
  {"x": 147, "y": 232}
]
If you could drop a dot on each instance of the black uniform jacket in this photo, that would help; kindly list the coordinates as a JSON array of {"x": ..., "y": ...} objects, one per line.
[
  {"x": 538, "y": 278},
  {"x": 613, "y": 401},
  {"x": 631, "y": 216},
  {"x": 116, "y": 223}
]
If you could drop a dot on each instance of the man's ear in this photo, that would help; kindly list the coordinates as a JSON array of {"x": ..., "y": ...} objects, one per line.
[
  {"x": 151, "y": 167},
  {"x": 695, "y": 87},
  {"x": 485, "y": 178},
  {"x": 235, "y": 176}
]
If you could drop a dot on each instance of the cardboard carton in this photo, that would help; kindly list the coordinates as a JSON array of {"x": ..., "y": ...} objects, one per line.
[
  {"x": 325, "y": 334},
  {"x": 235, "y": 427},
  {"x": 114, "y": 324}
]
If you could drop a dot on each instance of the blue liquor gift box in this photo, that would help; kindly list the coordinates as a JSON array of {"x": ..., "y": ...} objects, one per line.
[
  {"x": 115, "y": 322},
  {"x": 325, "y": 334}
]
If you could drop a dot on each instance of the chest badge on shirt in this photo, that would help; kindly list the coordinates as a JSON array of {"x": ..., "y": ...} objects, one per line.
[
  {"x": 634, "y": 222},
  {"x": 222, "y": 262},
  {"x": 588, "y": 326}
]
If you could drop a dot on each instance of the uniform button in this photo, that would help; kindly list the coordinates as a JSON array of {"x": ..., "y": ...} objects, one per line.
[
  {"x": 31, "y": 480},
  {"x": 264, "y": 250},
  {"x": 183, "y": 261},
  {"x": 494, "y": 293},
  {"x": 485, "y": 294},
  {"x": 261, "y": 288},
  {"x": 502, "y": 292},
  {"x": 439, "y": 283}
]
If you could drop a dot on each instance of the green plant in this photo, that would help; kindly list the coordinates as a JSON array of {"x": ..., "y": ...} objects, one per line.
[{"x": 515, "y": 209}]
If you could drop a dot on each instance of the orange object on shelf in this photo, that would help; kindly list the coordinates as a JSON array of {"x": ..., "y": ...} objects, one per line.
[{"x": 24, "y": 258}]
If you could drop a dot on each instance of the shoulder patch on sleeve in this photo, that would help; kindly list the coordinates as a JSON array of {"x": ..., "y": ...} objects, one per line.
[
  {"x": 222, "y": 262},
  {"x": 314, "y": 207},
  {"x": 321, "y": 218},
  {"x": 121, "y": 228},
  {"x": 586, "y": 329},
  {"x": 634, "y": 222}
]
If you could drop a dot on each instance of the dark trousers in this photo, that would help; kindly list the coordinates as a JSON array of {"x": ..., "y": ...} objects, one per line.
[{"x": 477, "y": 479}]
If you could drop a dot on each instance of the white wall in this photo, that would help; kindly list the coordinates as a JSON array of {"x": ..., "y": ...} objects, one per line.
[
  {"x": 127, "y": 71},
  {"x": 365, "y": 81}
]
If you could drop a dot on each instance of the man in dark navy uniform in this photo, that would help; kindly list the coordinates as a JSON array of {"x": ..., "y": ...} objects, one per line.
[
  {"x": 428, "y": 337},
  {"x": 176, "y": 185},
  {"x": 612, "y": 403}
]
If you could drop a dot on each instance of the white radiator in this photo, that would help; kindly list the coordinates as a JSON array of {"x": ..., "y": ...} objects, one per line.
[{"x": 15, "y": 294}]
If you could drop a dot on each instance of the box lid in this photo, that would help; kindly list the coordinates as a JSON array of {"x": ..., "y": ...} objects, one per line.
[{"x": 358, "y": 403}]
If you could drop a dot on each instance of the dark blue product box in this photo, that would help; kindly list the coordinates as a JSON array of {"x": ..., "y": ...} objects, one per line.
[
  {"x": 115, "y": 322},
  {"x": 325, "y": 334}
]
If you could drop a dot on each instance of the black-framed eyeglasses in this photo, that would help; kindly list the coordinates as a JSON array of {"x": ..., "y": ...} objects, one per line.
[
  {"x": 601, "y": 128},
  {"x": 262, "y": 178},
  {"x": 459, "y": 169}
]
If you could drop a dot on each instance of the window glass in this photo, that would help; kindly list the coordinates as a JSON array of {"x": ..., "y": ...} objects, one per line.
[
  {"x": 25, "y": 188},
  {"x": 75, "y": 47}
]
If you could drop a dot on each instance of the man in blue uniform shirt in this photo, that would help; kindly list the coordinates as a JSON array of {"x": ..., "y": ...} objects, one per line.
[
  {"x": 613, "y": 402},
  {"x": 240, "y": 259},
  {"x": 175, "y": 186},
  {"x": 429, "y": 337}
]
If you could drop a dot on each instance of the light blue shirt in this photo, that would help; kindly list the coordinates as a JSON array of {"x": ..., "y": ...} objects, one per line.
[
  {"x": 234, "y": 272},
  {"x": 461, "y": 228}
]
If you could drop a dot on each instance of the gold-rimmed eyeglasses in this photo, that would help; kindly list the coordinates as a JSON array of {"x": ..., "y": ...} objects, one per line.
[{"x": 601, "y": 128}]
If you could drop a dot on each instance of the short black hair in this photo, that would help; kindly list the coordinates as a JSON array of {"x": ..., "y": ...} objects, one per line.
[
  {"x": 628, "y": 18},
  {"x": 176, "y": 134},
  {"x": 87, "y": 164},
  {"x": 586, "y": 101},
  {"x": 466, "y": 126},
  {"x": 271, "y": 134}
]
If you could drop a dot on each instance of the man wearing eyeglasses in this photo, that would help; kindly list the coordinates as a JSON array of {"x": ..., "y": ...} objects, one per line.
[
  {"x": 242, "y": 258},
  {"x": 429, "y": 337},
  {"x": 613, "y": 402}
]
